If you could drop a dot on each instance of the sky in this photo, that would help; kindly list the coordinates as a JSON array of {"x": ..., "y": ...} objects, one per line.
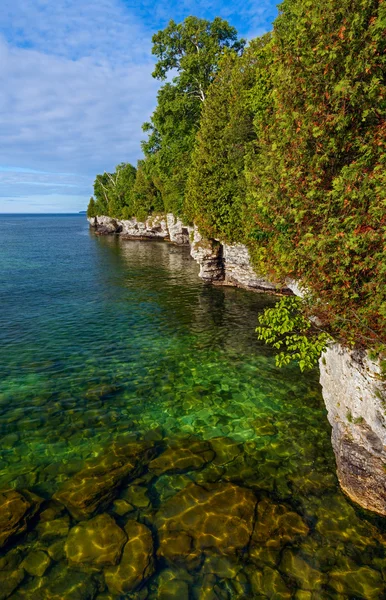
[{"x": 76, "y": 86}]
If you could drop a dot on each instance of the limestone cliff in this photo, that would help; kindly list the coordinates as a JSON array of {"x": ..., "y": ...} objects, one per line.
[{"x": 355, "y": 397}]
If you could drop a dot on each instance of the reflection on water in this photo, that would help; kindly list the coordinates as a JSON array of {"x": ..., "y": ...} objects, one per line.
[{"x": 149, "y": 446}]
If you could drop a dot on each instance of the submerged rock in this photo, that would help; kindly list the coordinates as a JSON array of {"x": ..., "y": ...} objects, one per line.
[
  {"x": 276, "y": 525},
  {"x": 16, "y": 510},
  {"x": 9, "y": 581},
  {"x": 217, "y": 516},
  {"x": 36, "y": 563},
  {"x": 62, "y": 583},
  {"x": 97, "y": 542},
  {"x": 137, "y": 563},
  {"x": 97, "y": 485},
  {"x": 180, "y": 459}
]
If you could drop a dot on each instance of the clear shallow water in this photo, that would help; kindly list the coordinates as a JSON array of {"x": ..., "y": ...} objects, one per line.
[{"x": 104, "y": 342}]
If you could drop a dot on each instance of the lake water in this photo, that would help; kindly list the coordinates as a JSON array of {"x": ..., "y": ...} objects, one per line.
[{"x": 140, "y": 398}]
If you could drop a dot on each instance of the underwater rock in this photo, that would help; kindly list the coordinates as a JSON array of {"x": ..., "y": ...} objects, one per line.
[
  {"x": 97, "y": 485},
  {"x": 9, "y": 581},
  {"x": 16, "y": 510},
  {"x": 305, "y": 576},
  {"x": 226, "y": 450},
  {"x": 276, "y": 525},
  {"x": 36, "y": 563},
  {"x": 121, "y": 507},
  {"x": 62, "y": 583},
  {"x": 180, "y": 459},
  {"x": 358, "y": 581},
  {"x": 137, "y": 496},
  {"x": 97, "y": 542},
  {"x": 48, "y": 531},
  {"x": 217, "y": 516},
  {"x": 137, "y": 563},
  {"x": 270, "y": 584}
]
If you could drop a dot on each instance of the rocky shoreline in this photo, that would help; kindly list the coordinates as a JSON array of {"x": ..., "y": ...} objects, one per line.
[{"x": 353, "y": 390}]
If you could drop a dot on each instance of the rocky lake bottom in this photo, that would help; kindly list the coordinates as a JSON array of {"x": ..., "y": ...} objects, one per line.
[{"x": 149, "y": 446}]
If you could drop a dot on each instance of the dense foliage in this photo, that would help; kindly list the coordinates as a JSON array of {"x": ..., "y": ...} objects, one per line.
[{"x": 281, "y": 147}]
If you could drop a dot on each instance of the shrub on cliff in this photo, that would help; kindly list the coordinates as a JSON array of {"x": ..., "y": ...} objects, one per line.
[{"x": 317, "y": 178}]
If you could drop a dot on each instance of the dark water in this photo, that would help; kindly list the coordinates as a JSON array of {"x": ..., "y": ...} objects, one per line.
[{"x": 111, "y": 350}]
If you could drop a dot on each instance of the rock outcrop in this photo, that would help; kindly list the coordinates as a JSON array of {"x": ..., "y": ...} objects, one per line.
[
  {"x": 355, "y": 397},
  {"x": 16, "y": 511}
]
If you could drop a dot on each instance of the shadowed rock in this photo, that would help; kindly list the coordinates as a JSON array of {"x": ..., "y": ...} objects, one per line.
[
  {"x": 97, "y": 485},
  {"x": 217, "y": 516},
  {"x": 137, "y": 563},
  {"x": 16, "y": 510},
  {"x": 276, "y": 525},
  {"x": 179, "y": 459},
  {"x": 96, "y": 542}
]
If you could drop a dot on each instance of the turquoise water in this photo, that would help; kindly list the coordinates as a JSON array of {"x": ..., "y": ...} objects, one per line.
[{"x": 105, "y": 343}]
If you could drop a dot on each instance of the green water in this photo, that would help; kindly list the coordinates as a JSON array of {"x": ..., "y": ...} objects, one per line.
[{"x": 104, "y": 343}]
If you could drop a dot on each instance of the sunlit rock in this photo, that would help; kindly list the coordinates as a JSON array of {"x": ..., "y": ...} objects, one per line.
[
  {"x": 276, "y": 525},
  {"x": 297, "y": 569},
  {"x": 9, "y": 582},
  {"x": 97, "y": 542},
  {"x": 218, "y": 516},
  {"x": 36, "y": 563},
  {"x": 269, "y": 583},
  {"x": 137, "y": 496},
  {"x": 137, "y": 563},
  {"x": 183, "y": 458},
  {"x": 16, "y": 511},
  {"x": 97, "y": 485}
]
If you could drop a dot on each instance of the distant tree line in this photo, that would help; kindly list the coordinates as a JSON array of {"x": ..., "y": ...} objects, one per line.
[{"x": 279, "y": 144}]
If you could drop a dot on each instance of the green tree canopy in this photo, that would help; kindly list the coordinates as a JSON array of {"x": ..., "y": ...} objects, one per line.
[{"x": 193, "y": 50}]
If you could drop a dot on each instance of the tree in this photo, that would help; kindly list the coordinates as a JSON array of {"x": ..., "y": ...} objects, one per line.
[
  {"x": 193, "y": 49},
  {"x": 91, "y": 212},
  {"x": 215, "y": 196},
  {"x": 146, "y": 197}
]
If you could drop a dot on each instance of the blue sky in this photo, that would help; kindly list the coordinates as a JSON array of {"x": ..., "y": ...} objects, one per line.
[{"x": 76, "y": 86}]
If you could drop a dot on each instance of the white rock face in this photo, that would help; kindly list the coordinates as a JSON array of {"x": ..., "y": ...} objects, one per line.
[
  {"x": 238, "y": 270},
  {"x": 153, "y": 227},
  {"x": 178, "y": 232},
  {"x": 209, "y": 255},
  {"x": 355, "y": 397}
]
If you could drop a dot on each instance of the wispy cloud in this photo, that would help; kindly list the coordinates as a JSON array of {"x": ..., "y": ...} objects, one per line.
[{"x": 76, "y": 86}]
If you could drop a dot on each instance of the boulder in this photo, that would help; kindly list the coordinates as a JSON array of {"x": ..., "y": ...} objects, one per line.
[
  {"x": 16, "y": 511},
  {"x": 183, "y": 458},
  {"x": 36, "y": 563},
  {"x": 137, "y": 563},
  {"x": 96, "y": 542},
  {"x": 9, "y": 581},
  {"x": 218, "y": 516},
  {"x": 97, "y": 485},
  {"x": 276, "y": 525}
]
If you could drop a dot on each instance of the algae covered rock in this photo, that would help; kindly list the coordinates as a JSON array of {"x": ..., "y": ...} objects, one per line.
[
  {"x": 276, "y": 525},
  {"x": 9, "y": 581},
  {"x": 217, "y": 516},
  {"x": 36, "y": 563},
  {"x": 97, "y": 485},
  {"x": 96, "y": 542},
  {"x": 137, "y": 563},
  {"x": 62, "y": 583},
  {"x": 269, "y": 583},
  {"x": 191, "y": 456},
  {"x": 16, "y": 510}
]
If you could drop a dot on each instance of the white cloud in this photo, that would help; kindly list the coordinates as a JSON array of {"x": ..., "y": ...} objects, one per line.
[{"x": 76, "y": 86}]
